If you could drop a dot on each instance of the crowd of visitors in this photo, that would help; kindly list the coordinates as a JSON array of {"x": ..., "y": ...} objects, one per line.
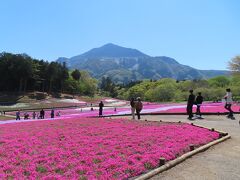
[
  {"x": 40, "y": 115},
  {"x": 199, "y": 100}
]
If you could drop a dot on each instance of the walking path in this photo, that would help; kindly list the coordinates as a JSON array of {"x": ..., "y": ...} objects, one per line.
[
  {"x": 86, "y": 112},
  {"x": 220, "y": 162}
]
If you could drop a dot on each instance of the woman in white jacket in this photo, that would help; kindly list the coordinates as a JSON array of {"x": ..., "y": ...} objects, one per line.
[
  {"x": 229, "y": 101},
  {"x": 133, "y": 107}
]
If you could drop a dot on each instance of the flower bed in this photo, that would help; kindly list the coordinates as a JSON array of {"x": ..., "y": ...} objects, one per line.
[{"x": 84, "y": 148}]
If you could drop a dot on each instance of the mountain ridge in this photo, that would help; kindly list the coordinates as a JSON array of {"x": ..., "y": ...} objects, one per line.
[{"x": 126, "y": 64}]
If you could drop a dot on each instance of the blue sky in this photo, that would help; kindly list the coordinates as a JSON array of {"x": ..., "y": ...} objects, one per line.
[{"x": 204, "y": 34}]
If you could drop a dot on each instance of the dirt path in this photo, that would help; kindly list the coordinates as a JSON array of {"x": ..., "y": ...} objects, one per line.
[{"x": 220, "y": 162}]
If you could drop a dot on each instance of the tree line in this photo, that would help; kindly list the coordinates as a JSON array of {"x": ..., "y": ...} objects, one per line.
[
  {"x": 167, "y": 89},
  {"x": 22, "y": 73}
]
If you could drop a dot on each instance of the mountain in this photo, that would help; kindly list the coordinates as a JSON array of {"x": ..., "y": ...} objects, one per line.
[
  {"x": 126, "y": 64},
  {"x": 112, "y": 51}
]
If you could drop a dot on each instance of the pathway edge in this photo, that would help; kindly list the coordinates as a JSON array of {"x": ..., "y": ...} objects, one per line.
[{"x": 180, "y": 159}]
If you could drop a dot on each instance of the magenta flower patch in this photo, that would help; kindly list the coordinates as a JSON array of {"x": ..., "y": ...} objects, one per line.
[{"x": 82, "y": 148}]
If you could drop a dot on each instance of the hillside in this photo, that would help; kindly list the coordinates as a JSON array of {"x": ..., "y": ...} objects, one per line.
[{"x": 126, "y": 64}]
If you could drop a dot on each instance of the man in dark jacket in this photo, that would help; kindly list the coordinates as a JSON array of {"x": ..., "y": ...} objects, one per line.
[
  {"x": 190, "y": 102},
  {"x": 42, "y": 114},
  {"x": 199, "y": 101},
  {"x": 52, "y": 113},
  {"x": 101, "y": 105}
]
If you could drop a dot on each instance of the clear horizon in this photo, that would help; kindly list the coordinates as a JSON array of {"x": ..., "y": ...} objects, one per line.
[{"x": 202, "y": 34}]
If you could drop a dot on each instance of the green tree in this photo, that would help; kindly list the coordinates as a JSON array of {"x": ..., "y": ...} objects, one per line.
[
  {"x": 64, "y": 75},
  {"x": 136, "y": 91},
  {"x": 51, "y": 74},
  {"x": 219, "y": 81},
  {"x": 149, "y": 95},
  {"x": 71, "y": 86},
  {"x": 164, "y": 92},
  {"x": 185, "y": 85},
  {"x": 76, "y": 75},
  {"x": 88, "y": 84}
]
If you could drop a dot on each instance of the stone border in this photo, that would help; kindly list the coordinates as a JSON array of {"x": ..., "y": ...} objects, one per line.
[{"x": 223, "y": 136}]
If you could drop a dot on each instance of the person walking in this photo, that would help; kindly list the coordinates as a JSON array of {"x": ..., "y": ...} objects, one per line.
[
  {"x": 26, "y": 115},
  {"x": 42, "y": 114},
  {"x": 199, "y": 101},
  {"x": 18, "y": 115},
  {"x": 34, "y": 114},
  {"x": 133, "y": 107},
  {"x": 52, "y": 113},
  {"x": 101, "y": 105},
  {"x": 190, "y": 102},
  {"x": 228, "y": 104},
  {"x": 58, "y": 113},
  {"x": 91, "y": 107},
  {"x": 139, "y": 107}
]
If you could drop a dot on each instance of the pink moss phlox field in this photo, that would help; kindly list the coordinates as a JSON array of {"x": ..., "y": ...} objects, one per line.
[{"x": 85, "y": 148}]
